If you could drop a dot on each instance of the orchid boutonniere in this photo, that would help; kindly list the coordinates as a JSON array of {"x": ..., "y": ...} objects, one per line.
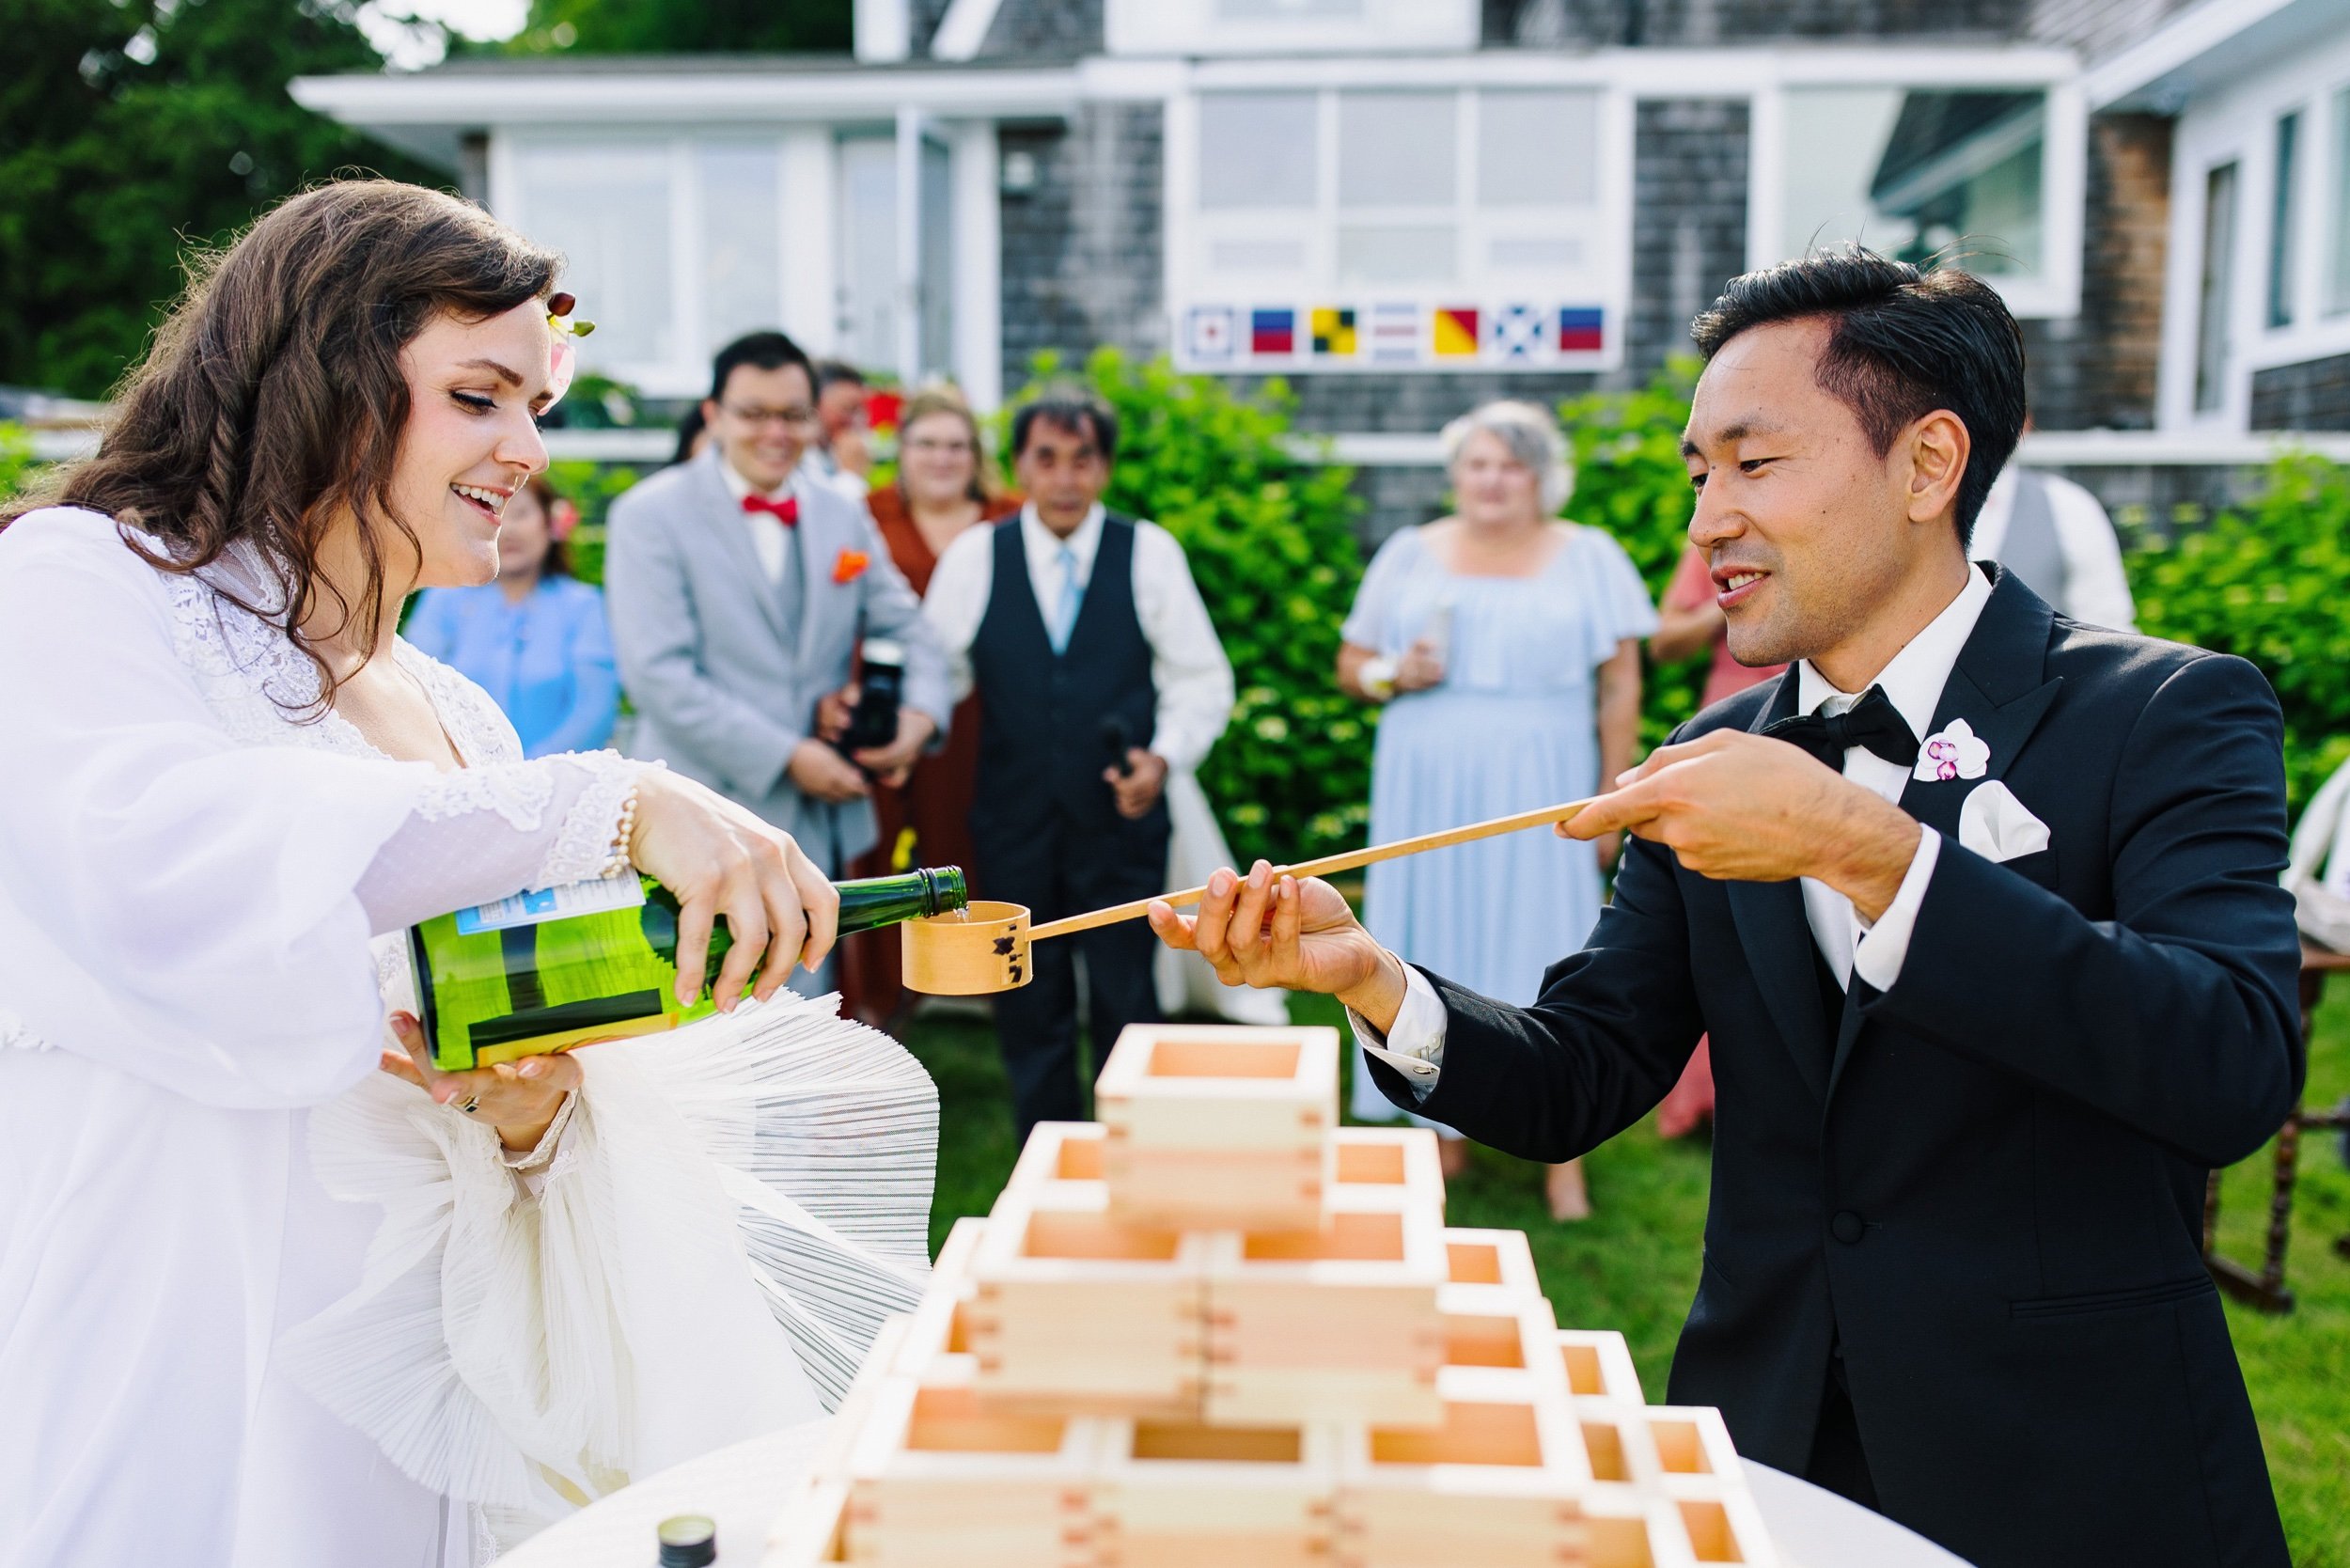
[
  {"x": 563, "y": 334},
  {"x": 850, "y": 565}
]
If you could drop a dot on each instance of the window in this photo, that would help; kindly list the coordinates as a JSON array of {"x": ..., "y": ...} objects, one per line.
[
  {"x": 1916, "y": 172},
  {"x": 1488, "y": 208},
  {"x": 742, "y": 240},
  {"x": 673, "y": 245},
  {"x": 2217, "y": 293},
  {"x": 608, "y": 210},
  {"x": 2280, "y": 223},
  {"x": 2338, "y": 268}
]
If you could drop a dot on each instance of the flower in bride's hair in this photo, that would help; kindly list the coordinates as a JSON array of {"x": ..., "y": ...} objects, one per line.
[{"x": 562, "y": 357}]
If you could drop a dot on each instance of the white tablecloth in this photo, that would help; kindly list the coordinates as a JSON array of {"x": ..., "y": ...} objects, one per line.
[{"x": 742, "y": 1488}]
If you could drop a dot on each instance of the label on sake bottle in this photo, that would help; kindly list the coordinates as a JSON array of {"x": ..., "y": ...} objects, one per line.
[{"x": 545, "y": 971}]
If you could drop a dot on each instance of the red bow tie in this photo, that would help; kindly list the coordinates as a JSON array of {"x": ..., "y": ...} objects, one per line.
[{"x": 786, "y": 512}]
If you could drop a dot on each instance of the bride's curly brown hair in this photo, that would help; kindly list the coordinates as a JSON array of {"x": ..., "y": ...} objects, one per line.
[{"x": 271, "y": 404}]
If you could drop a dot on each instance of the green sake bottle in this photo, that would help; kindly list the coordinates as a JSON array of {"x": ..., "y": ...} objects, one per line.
[{"x": 544, "y": 971}]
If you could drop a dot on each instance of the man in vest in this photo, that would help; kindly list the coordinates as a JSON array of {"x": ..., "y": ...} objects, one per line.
[
  {"x": 1098, "y": 673},
  {"x": 2056, "y": 537}
]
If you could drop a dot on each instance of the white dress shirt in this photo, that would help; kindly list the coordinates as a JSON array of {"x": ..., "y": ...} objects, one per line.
[
  {"x": 2096, "y": 589},
  {"x": 1913, "y": 683},
  {"x": 1188, "y": 669},
  {"x": 769, "y": 538}
]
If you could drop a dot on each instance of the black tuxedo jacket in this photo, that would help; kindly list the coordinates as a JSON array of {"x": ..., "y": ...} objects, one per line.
[{"x": 1987, "y": 1182}]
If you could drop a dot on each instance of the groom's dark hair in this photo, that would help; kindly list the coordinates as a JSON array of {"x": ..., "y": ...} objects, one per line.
[{"x": 1904, "y": 341}]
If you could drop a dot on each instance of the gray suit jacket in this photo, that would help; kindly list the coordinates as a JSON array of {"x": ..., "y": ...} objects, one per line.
[{"x": 726, "y": 675}]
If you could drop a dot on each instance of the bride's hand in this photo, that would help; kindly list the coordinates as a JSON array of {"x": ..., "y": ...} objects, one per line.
[
  {"x": 518, "y": 1098},
  {"x": 720, "y": 858}
]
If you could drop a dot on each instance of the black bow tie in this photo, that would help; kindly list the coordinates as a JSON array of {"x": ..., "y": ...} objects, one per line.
[{"x": 1873, "y": 722}]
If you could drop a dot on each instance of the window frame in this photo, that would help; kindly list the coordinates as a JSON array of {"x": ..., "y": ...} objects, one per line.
[
  {"x": 1194, "y": 28},
  {"x": 1189, "y": 227},
  {"x": 2055, "y": 291}
]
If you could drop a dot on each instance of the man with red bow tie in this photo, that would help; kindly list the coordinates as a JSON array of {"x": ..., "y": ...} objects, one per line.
[{"x": 739, "y": 594}]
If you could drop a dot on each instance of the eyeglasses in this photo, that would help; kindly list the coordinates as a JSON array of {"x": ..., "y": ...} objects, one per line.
[
  {"x": 801, "y": 417},
  {"x": 957, "y": 449}
]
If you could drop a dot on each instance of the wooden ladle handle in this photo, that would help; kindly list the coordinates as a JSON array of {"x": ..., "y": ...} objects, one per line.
[{"x": 1371, "y": 856}]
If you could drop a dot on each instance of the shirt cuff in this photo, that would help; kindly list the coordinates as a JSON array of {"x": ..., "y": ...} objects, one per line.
[
  {"x": 1415, "y": 1047},
  {"x": 532, "y": 1164},
  {"x": 1886, "y": 943}
]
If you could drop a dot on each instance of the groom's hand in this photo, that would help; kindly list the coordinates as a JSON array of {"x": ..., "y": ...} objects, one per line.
[
  {"x": 1277, "y": 933},
  {"x": 1738, "y": 807}
]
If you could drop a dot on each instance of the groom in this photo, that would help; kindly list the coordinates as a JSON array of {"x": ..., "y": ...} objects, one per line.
[{"x": 1980, "y": 907}]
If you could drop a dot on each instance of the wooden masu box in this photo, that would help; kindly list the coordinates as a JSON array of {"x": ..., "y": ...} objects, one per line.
[{"x": 1122, "y": 1368}]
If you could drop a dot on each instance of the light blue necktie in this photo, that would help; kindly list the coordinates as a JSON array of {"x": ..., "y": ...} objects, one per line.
[{"x": 1071, "y": 596}]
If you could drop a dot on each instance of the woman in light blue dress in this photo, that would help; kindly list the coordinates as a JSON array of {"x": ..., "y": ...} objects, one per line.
[
  {"x": 536, "y": 639},
  {"x": 1506, "y": 646}
]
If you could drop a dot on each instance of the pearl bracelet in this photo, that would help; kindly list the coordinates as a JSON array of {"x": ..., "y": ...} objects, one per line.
[{"x": 618, "y": 863}]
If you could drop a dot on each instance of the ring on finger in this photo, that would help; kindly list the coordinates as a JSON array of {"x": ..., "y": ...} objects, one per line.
[{"x": 473, "y": 1103}]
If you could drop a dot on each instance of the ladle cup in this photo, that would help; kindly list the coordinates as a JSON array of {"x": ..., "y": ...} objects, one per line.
[{"x": 984, "y": 948}]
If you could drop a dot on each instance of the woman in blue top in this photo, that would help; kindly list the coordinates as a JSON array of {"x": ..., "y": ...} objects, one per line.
[
  {"x": 536, "y": 639},
  {"x": 1506, "y": 645}
]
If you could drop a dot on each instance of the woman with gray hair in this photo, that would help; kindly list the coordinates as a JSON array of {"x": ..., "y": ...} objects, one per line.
[{"x": 1506, "y": 646}]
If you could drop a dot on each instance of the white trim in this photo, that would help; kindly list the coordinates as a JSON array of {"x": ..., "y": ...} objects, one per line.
[
  {"x": 614, "y": 98},
  {"x": 811, "y": 177},
  {"x": 964, "y": 29},
  {"x": 2176, "y": 44},
  {"x": 978, "y": 349},
  {"x": 2056, "y": 291},
  {"x": 1192, "y": 27},
  {"x": 1649, "y": 73},
  {"x": 883, "y": 31},
  {"x": 909, "y": 290}
]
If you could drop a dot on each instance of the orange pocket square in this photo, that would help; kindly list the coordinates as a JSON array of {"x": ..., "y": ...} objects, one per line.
[{"x": 850, "y": 565}]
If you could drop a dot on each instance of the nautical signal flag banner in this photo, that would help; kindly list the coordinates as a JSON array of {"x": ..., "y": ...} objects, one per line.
[
  {"x": 1272, "y": 332},
  {"x": 1395, "y": 335},
  {"x": 1209, "y": 332},
  {"x": 1517, "y": 333},
  {"x": 1456, "y": 336},
  {"x": 1579, "y": 330},
  {"x": 1334, "y": 331}
]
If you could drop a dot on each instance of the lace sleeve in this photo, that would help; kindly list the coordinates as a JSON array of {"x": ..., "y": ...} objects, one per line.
[{"x": 482, "y": 834}]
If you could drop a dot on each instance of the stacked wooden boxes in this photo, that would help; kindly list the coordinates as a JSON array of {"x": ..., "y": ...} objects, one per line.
[{"x": 1217, "y": 1327}]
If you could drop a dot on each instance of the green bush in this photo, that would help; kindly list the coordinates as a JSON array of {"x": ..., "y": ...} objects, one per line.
[
  {"x": 592, "y": 487},
  {"x": 1630, "y": 480},
  {"x": 1272, "y": 546},
  {"x": 2267, "y": 581},
  {"x": 17, "y": 463}
]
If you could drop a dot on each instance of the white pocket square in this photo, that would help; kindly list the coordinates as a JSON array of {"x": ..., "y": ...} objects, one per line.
[{"x": 1997, "y": 826}]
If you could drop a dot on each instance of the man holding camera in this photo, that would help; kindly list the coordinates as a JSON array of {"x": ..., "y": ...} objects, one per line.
[
  {"x": 1098, "y": 673},
  {"x": 739, "y": 592}
]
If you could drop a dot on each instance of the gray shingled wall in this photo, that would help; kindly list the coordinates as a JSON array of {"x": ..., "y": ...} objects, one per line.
[
  {"x": 2313, "y": 395},
  {"x": 1045, "y": 29},
  {"x": 1082, "y": 252}
]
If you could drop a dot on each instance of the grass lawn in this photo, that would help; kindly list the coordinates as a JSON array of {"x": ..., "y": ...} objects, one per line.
[{"x": 1634, "y": 1266}]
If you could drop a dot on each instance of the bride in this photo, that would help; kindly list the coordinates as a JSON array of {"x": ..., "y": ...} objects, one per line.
[{"x": 273, "y": 1291}]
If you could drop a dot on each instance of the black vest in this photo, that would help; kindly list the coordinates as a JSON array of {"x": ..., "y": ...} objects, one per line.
[{"x": 1042, "y": 742}]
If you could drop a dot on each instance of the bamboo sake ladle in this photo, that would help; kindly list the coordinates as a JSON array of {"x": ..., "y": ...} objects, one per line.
[{"x": 984, "y": 948}]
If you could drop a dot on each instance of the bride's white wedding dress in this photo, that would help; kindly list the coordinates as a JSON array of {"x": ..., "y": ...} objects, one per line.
[{"x": 265, "y": 1306}]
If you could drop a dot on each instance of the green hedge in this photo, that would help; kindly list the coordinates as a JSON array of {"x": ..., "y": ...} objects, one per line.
[
  {"x": 1272, "y": 545},
  {"x": 1630, "y": 480},
  {"x": 2267, "y": 581}
]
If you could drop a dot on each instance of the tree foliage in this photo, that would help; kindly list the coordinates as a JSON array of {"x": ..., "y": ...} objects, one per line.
[
  {"x": 685, "y": 28},
  {"x": 130, "y": 130},
  {"x": 2266, "y": 581}
]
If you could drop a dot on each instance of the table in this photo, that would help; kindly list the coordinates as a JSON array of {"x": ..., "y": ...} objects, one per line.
[
  {"x": 741, "y": 1487},
  {"x": 2266, "y": 1290}
]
